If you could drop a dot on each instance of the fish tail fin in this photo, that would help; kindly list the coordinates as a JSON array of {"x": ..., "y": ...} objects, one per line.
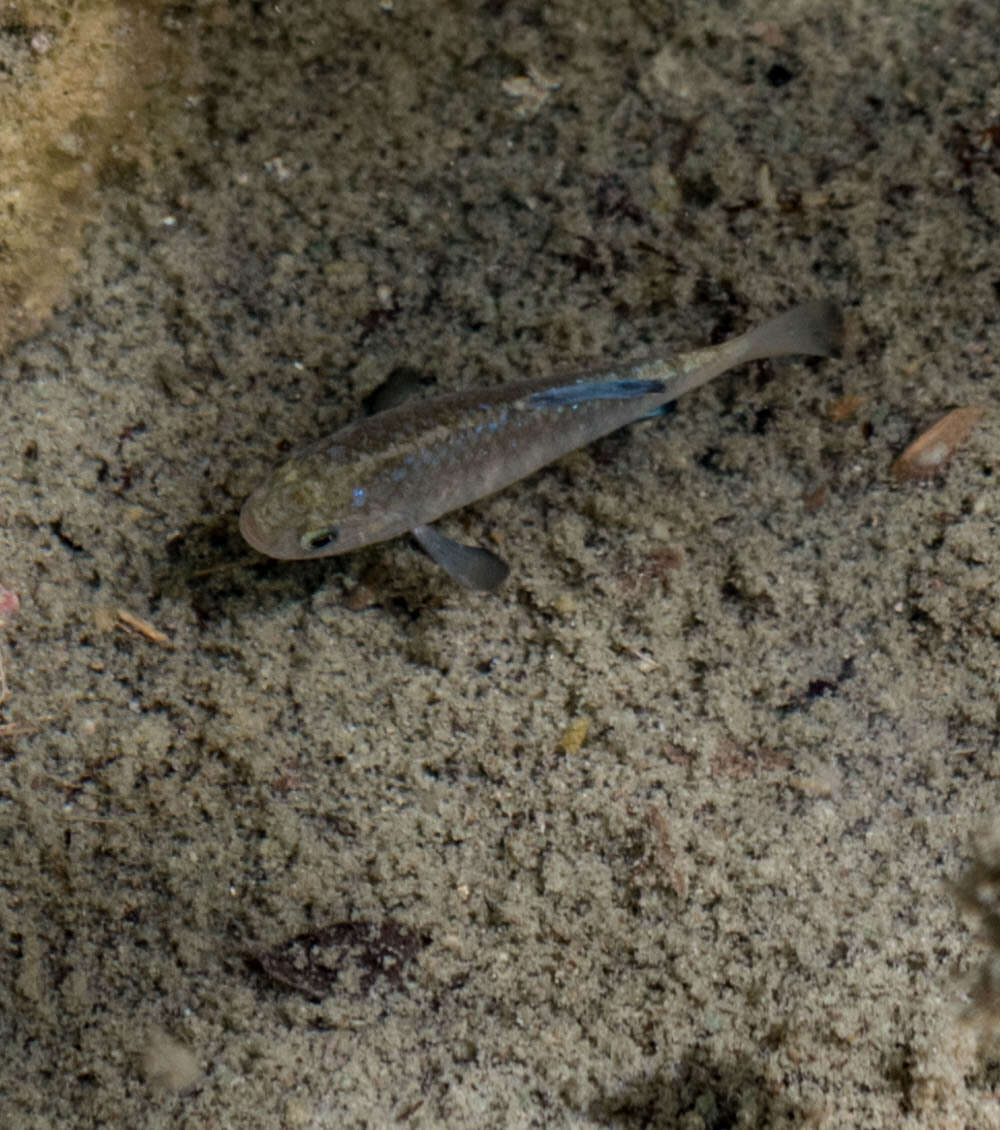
[{"x": 814, "y": 328}]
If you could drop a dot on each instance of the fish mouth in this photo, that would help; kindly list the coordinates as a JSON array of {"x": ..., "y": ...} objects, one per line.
[
  {"x": 249, "y": 530},
  {"x": 254, "y": 537}
]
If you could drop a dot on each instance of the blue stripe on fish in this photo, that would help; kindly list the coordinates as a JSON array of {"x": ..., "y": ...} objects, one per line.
[{"x": 597, "y": 390}]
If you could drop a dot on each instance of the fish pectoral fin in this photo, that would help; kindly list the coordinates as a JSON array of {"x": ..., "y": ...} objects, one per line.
[{"x": 471, "y": 566}]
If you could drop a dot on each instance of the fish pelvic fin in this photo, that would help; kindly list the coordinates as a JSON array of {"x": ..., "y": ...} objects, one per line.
[{"x": 472, "y": 567}]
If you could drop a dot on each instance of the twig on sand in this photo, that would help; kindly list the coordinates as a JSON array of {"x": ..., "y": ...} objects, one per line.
[{"x": 143, "y": 627}]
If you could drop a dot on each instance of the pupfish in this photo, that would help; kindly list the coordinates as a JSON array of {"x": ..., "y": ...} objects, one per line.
[{"x": 401, "y": 470}]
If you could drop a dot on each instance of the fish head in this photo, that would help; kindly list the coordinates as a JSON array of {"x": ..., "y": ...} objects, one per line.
[{"x": 315, "y": 507}]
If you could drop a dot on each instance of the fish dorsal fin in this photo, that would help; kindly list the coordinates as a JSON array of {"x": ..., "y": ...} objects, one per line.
[
  {"x": 403, "y": 382},
  {"x": 471, "y": 566}
]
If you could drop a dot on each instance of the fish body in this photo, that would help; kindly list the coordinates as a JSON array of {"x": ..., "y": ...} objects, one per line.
[{"x": 404, "y": 468}]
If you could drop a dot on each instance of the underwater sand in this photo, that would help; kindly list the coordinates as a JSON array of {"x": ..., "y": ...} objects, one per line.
[{"x": 661, "y": 834}]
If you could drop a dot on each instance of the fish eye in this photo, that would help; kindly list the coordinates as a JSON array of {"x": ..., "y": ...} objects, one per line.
[{"x": 319, "y": 539}]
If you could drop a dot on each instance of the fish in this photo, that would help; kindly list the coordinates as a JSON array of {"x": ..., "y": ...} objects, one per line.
[{"x": 400, "y": 470}]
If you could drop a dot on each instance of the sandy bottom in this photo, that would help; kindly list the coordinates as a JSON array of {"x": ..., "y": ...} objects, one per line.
[{"x": 662, "y": 834}]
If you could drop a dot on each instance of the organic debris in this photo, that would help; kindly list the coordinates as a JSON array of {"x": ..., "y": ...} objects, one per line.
[
  {"x": 143, "y": 628},
  {"x": 931, "y": 452},
  {"x": 815, "y": 499},
  {"x": 10, "y": 605},
  {"x": 846, "y": 407},
  {"x": 531, "y": 91},
  {"x": 311, "y": 963},
  {"x": 574, "y": 736}
]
